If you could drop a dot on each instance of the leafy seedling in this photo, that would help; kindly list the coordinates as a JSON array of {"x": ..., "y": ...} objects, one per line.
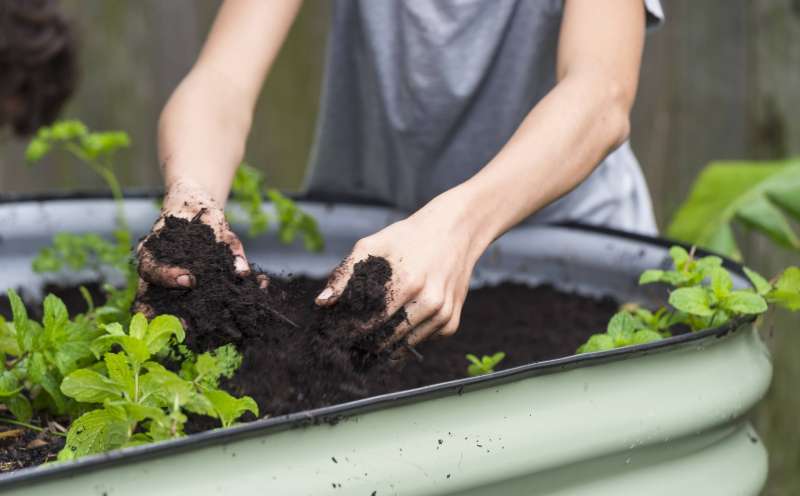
[
  {"x": 703, "y": 297},
  {"x": 96, "y": 150},
  {"x": 36, "y": 356},
  {"x": 136, "y": 399},
  {"x": 248, "y": 191},
  {"x": 483, "y": 365}
]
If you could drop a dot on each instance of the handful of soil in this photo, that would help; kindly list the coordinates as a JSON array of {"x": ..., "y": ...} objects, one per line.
[{"x": 296, "y": 355}]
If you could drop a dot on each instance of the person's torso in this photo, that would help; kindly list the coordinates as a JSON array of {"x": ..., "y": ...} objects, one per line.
[{"x": 420, "y": 94}]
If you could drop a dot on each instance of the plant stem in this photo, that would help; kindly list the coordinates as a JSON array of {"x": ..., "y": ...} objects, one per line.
[{"x": 29, "y": 426}]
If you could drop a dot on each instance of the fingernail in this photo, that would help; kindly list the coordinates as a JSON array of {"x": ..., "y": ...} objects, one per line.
[
  {"x": 240, "y": 264},
  {"x": 185, "y": 280},
  {"x": 325, "y": 295}
]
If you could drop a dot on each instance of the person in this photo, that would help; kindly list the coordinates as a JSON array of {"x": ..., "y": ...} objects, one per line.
[
  {"x": 38, "y": 64},
  {"x": 474, "y": 116}
]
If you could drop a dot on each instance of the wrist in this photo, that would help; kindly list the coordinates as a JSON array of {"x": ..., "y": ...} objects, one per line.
[
  {"x": 462, "y": 216},
  {"x": 182, "y": 193}
]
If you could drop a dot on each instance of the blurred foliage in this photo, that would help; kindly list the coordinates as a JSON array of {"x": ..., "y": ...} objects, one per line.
[{"x": 759, "y": 196}]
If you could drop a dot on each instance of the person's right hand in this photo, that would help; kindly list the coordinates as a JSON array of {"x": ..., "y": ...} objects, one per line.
[{"x": 187, "y": 201}]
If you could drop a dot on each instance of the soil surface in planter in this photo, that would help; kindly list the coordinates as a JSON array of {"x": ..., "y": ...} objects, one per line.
[{"x": 297, "y": 356}]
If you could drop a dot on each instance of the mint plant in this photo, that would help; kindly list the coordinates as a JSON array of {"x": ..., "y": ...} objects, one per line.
[
  {"x": 248, "y": 191},
  {"x": 36, "y": 356},
  {"x": 141, "y": 400},
  {"x": 483, "y": 365},
  {"x": 703, "y": 297}
]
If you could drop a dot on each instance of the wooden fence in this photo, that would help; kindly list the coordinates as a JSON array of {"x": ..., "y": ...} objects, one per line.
[{"x": 720, "y": 80}]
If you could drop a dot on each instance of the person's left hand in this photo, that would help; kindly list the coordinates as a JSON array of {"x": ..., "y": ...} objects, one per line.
[{"x": 432, "y": 254}]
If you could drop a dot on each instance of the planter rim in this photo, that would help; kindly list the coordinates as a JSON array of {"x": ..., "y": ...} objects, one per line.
[{"x": 340, "y": 412}]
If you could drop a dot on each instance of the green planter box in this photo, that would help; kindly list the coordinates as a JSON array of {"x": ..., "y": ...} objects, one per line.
[{"x": 665, "y": 418}]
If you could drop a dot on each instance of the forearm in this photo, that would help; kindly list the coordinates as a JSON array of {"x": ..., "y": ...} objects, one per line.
[
  {"x": 554, "y": 149},
  {"x": 204, "y": 126},
  {"x": 202, "y": 134}
]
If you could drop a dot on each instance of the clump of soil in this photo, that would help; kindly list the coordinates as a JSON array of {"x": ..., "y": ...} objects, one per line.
[{"x": 296, "y": 355}]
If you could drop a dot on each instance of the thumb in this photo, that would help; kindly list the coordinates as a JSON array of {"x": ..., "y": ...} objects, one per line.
[{"x": 336, "y": 283}]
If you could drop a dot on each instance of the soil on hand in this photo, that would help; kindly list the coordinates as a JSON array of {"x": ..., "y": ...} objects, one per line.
[{"x": 298, "y": 356}]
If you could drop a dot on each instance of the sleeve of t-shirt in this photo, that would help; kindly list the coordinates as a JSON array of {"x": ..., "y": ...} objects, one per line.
[{"x": 655, "y": 14}]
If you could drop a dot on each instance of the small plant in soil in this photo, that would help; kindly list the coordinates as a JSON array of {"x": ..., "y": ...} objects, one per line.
[
  {"x": 37, "y": 356},
  {"x": 483, "y": 365},
  {"x": 248, "y": 191},
  {"x": 703, "y": 297},
  {"x": 141, "y": 400}
]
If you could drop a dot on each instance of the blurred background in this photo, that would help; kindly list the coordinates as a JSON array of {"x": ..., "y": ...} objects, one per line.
[{"x": 720, "y": 80}]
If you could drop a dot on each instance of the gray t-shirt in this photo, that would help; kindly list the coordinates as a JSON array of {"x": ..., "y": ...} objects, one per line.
[{"x": 419, "y": 95}]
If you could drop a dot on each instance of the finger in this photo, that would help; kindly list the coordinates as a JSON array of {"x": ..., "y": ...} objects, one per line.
[
  {"x": 423, "y": 310},
  {"x": 138, "y": 306},
  {"x": 336, "y": 282},
  {"x": 430, "y": 326},
  {"x": 263, "y": 281},
  {"x": 240, "y": 263},
  {"x": 160, "y": 274}
]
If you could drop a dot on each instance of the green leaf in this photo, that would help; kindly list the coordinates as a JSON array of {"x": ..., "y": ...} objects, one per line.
[
  {"x": 22, "y": 327},
  {"x": 138, "y": 326},
  {"x": 8, "y": 339},
  {"x": 55, "y": 319},
  {"x": 9, "y": 384},
  {"x": 762, "y": 285},
  {"x": 164, "y": 386},
  {"x": 721, "y": 282},
  {"x": 621, "y": 328},
  {"x": 650, "y": 276},
  {"x": 763, "y": 216},
  {"x": 692, "y": 300},
  {"x": 645, "y": 336},
  {"x": 95, "y": 432},
  {"x": 40, "y": 374},
  {"x": 755, "y": 193},
  {"x": 119, "y": 371},
  {"x": 787, "y": 290},
  {"x": 679, "y": 256},
  {"x": 161, "y": 329},
  {"x": 745, "y": 302},
  {"x": 598, "y": 342},
  {"x": 89, "y": 386},
  {"x": 19, "y": 406},
  {"x": 228, "y": 408},
  {"x": 135, "y": 348}
]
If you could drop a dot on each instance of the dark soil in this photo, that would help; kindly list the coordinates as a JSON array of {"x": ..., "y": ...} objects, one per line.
[
  {"x": 298, "y": 356},
  {"x": 21, "y": 447}
]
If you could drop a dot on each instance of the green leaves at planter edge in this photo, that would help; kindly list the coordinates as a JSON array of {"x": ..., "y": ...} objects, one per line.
[
  {"x": 786, "y": 292},
  {"x": 483, "y": 365},
  {"x": 624, "y": 329},
  {"x": 142, "y": 395},
  {"x": 692, "y": 300},
  {"x": 95, "y": 432},
  {"x": 758, "y": 195},
  {"x": 228, "y": 408}
]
